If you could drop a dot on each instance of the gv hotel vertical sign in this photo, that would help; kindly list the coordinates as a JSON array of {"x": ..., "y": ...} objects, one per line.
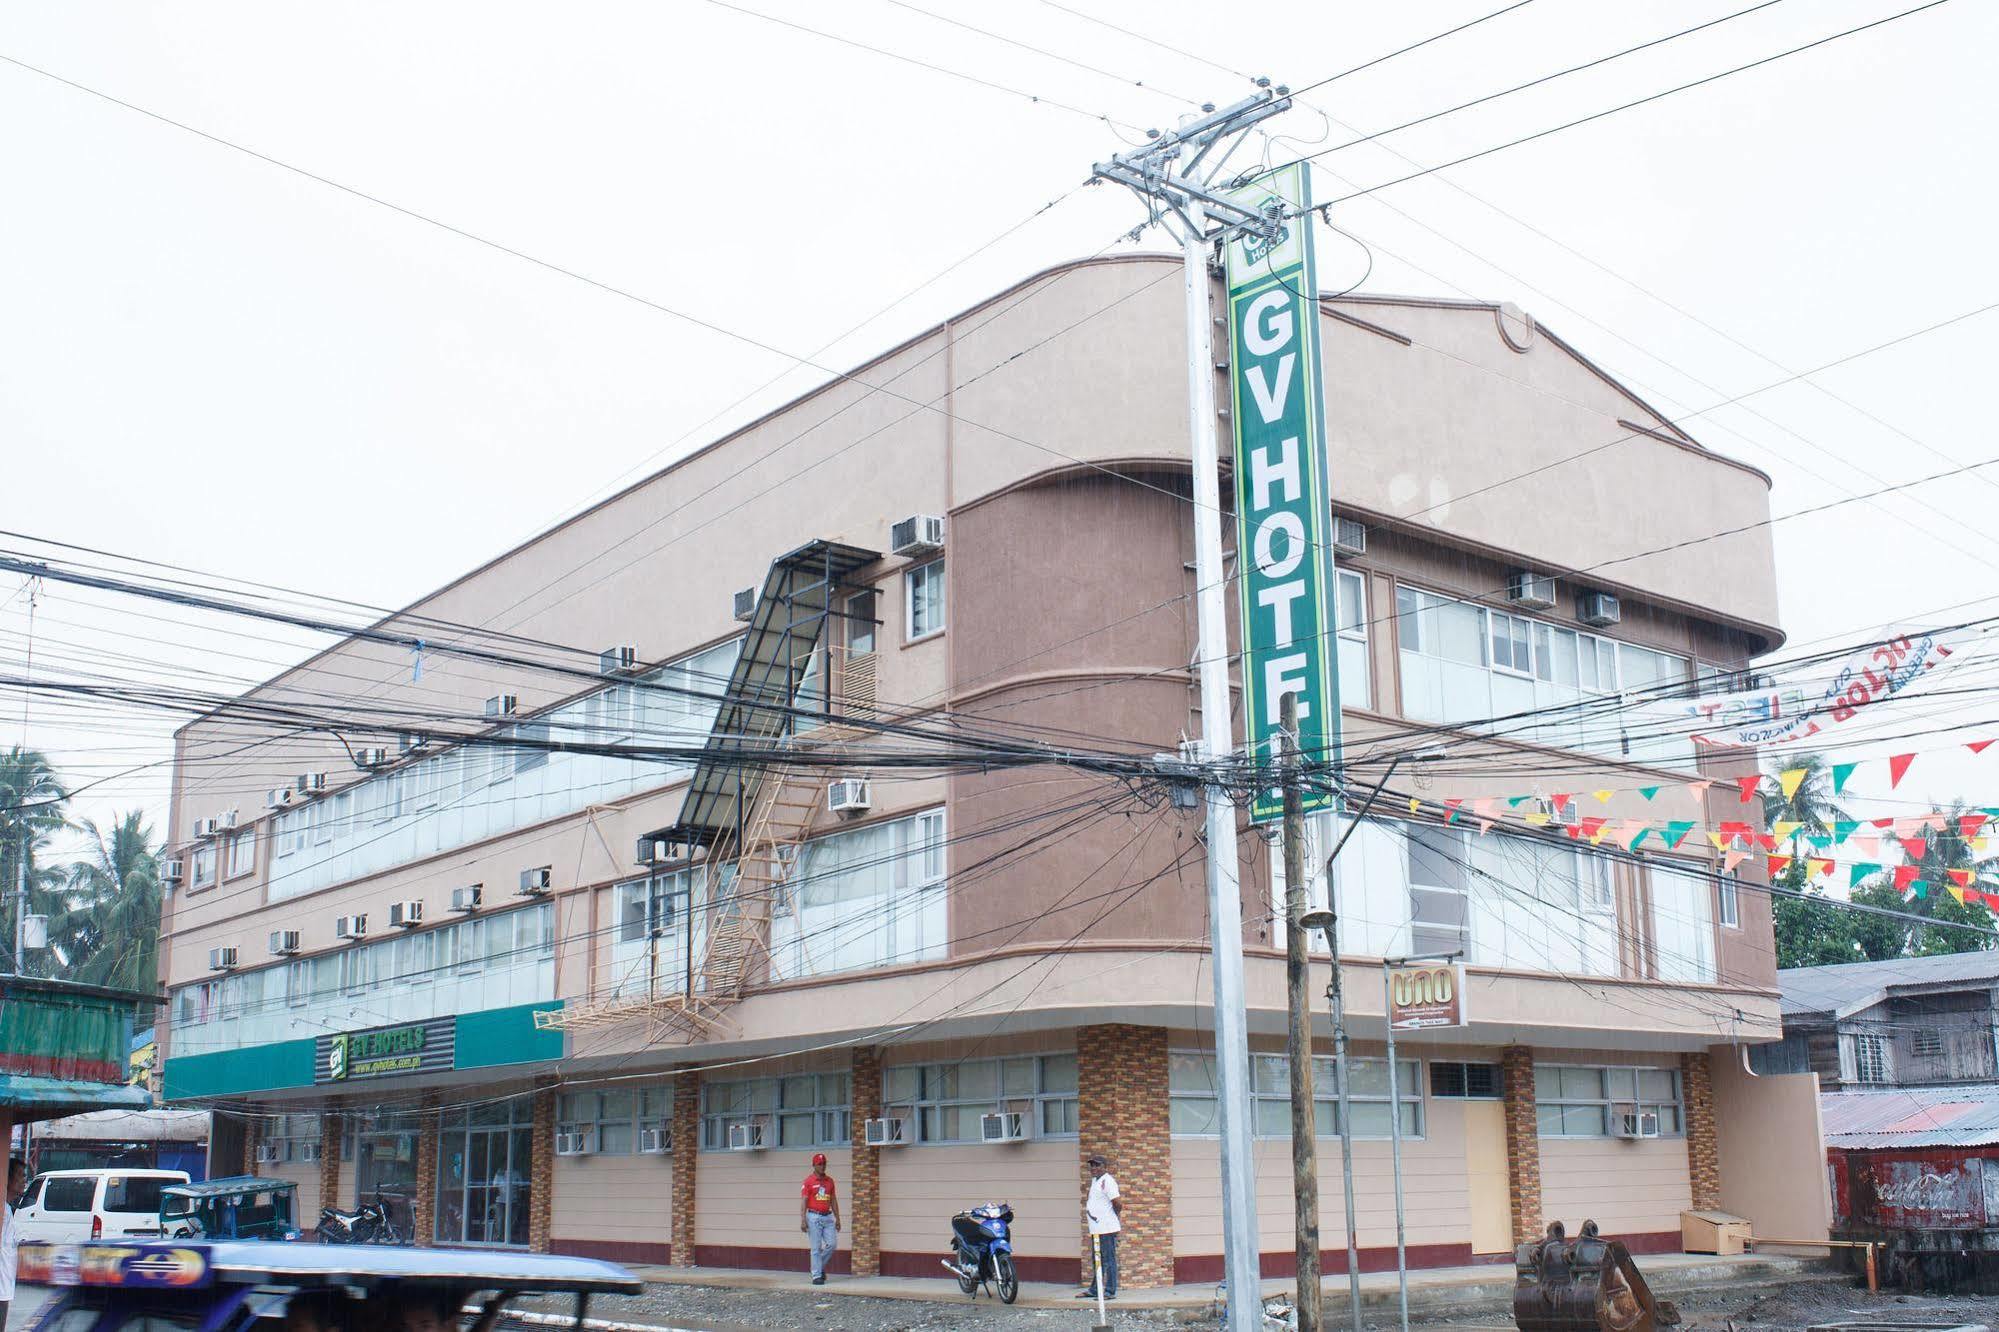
[{"x": 1283, "y": 510}]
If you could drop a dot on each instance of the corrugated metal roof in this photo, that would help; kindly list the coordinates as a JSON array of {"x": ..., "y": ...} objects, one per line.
[
  {"x": 1966, "y": 1115},
  {"x": 1841, "y": 989}
]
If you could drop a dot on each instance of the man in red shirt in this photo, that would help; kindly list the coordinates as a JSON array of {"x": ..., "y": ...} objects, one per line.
[{"x": 819, "y": 1215}]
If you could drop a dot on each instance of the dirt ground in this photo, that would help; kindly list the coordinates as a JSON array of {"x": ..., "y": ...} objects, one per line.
[{"x": 1788, "y": 1308}]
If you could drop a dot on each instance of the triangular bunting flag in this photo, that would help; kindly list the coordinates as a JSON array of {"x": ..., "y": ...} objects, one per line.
[
  {"x": 1535, "y": 818},
  {"x": 1643, "y": 833},
  {"x": 1960, "y": 877},
  {"x": 1840, "y": 772},
  {"x": 1777, "y": 864},
  {"x": 1733, "y": 858},
  {"x": 1819, "y": 841},
  {"x": 1648, "y": 791},
  {"x": 1676, "y": 832},
  {"x": 1905, "y": 875},
  {"x": 1818, "y": 868},
  {"x": 1913, "y": 847},
  {"x": 1898, "y": 764},
  {"x": 1789, "y": 780},
  {"x": 1415, "y": 804},
  {"x": 1766, "y": 841},
  {"x": 1517, "y": 801},
  {"x": 1954, "y": 891},
  {"x": 1977, "y": 746},
  {"x": 1782, "y": 829},
  {"x": 1603, "y": 797},
  {"x": 1859, "y": 872},
  {"x": 1747, "y": 785},
  {"x": 1843, "y": 828},
  {"x": 1593, "y": 828},
  {"x": 1698, "y": 789},
  {"x": 1867, "y": 844},
  {"x": 1735, "y": 830},
  {"x": 1969, "y": 824},
  {"x": 1714, "y": 837},
  {"x": 1451, "y": 809}
]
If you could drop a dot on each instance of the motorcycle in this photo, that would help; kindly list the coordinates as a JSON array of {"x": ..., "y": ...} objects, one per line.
[
  {"x": 982, "y": 1251},
  {"x": 370, "y": 1223}
]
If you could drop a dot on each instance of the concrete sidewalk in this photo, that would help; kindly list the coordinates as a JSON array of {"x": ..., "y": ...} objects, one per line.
[{"x": 1432, "y": 1290}]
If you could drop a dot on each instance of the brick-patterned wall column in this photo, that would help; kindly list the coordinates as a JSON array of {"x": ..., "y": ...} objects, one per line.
[
  {"x": 1703, "y": 1154},
  {"x": 331, "y": 1127},
  {"x": 864, "y": 1194},
  {"x": 686, "y": 1155},
  {"x": 1121, "y": 1116},
  {"x": 541, "y": 1169},
  {"x": 1523, "y": 1143},
  {"x": 423, "y": 1203},
  {"x": 253, "y": 1136}
]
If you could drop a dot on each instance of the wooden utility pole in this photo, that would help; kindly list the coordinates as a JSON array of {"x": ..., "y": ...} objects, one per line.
[{"x": 1298, "y": 1036}]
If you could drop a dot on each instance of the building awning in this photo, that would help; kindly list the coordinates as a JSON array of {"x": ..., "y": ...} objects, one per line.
[
  {"x": 785, "y": 629},
  {"x": 32, "y": 1096}
]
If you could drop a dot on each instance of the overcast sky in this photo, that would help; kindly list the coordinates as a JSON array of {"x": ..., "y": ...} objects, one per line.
[{"x": 209, "y": 360}]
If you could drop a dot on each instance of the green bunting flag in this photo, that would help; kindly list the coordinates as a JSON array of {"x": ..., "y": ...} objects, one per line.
[
  {"x": 1676, "y": 832},
  {"x": 1648, "y": 791},
  {"x": 1840, "y": 772},
  {"x": 1859, "y": 872}
]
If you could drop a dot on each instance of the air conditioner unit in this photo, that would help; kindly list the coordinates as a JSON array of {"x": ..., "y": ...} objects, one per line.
[
  {"x": 405, "y": 915},
  {"x": 376, "y": 757},
  {"x": 172, "y": 870},
  {"x": 1598, "y": 608},
  {"x": 746, "y": 1137},
  {"x": 207, "y": 827},
  {"x": 918, "y": 534},
  {"x": 1008, "y": 1126},
  {"x": 849, "y": 795},
  {"x": 655, "y": 850},
  {"x": 1636, "y": 1124},
  {"x": 305, "y": 1151},
  {"x": 1534, "y": 591},
  {"x": 227, "y": 820},
  {"x": 310, "y": 784},
  {"x": 269, "y": 1153},
  {"x": 621, "y": 660},
  {"x": 655, "y": 1141},
  {"x": 222, "y": 959},
  {"x": 536, "y": 881},
  {"x": 746, "y": 603},
  {"x": 350, "y": 927},
  {"x": 573, "y": 1142},
  {"x": 1349, "y": 536},
  {"x": 284, "y": 943},
  {"x": 467, "y": 898},
  {"x": 280, "y": 797},
  {"x": 886, "y": 1132},
  {"x": 502, "y": 705}
]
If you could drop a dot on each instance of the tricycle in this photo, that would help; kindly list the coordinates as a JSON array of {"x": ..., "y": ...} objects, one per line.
[
  {"x": 263, "y": 1286},
  {"x": 235, "y": 1207}
]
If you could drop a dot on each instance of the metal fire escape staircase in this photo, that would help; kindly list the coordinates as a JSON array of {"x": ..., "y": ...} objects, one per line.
[{"x": 746, "y": 808}]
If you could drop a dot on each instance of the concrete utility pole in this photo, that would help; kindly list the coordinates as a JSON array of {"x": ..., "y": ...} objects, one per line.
[
  {"x": 1298, "y": 1036},
  {"x": 1176, "y": 178}
]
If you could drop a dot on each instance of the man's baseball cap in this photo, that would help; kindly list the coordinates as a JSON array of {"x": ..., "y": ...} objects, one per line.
[
  {"x": 1098, "y": 1160},
  {"x": 818, "y": 1158}
]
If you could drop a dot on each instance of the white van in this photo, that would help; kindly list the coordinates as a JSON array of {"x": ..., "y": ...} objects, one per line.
[{"x": 65, "y": 1206}]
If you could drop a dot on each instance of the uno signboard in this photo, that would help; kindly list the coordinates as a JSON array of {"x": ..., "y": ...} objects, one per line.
[
  {"x": 1282, "y": 501},
  {"x": 381, "y": 1052},
  {"x": 1421, "y": 997}
]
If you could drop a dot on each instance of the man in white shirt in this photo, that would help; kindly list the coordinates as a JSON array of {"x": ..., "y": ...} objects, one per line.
[
  {"x": 1104, "y": 1210},
  {"x": 10, "y": 1234}
]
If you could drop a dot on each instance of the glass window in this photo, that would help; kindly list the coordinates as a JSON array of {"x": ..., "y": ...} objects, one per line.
[
  {"x": 1728, "y": 896},
  {"x": 70, "y": 1193},
  {"x": 204, "y": 866},
  {"x": 242, "y": 853},
  {"x": 1574, "y": 1101},
  {"x": 860, "y": 623},
  {"x": 923, "y": 589},
  {"x": 798, "y": 1110},
  {"x": 1350, "y": 614},
  {"x": 1466, "y": 1081},
  {"x": 1870, "y": 1058},
  {"x": 949, "y": 1102},
  {"x": 611, "y": 1121},
  {"x": 1192, "y": 1107},
  {"x": 870, "y": 897}
]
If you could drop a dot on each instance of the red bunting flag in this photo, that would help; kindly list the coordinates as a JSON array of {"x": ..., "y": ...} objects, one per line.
[
  {"x": 1960, "y": 877},
  {"x": 1592, "y": 825},
  {"x": 1913, "y": 847},
  {"x": 1735, "y": 830},
  {"x": 1747, "y": 785},
  {"x": 1777, "y": 864},
  {"x": 1977, "y": 746},
  {"x": 1897, "y": 765},
  {"x": 1969, "y": 824},
  {"x": 1904, "y": 876},
  {"x": 1451, "y": 809},
  {"x": 1766, "y": 841},
  {"x": 1818, "y": 867}
]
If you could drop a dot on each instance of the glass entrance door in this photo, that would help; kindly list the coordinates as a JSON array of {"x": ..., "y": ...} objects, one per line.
[{"x": 483, "y": 1162}]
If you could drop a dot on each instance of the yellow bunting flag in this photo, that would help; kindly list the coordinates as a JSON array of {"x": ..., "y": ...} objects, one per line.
[
  {"x": 1789, "y": 780},
  {"x": 1415, "y": 804},
  {"x": 1783, "y": 828},
  {"x": 1535, "y": 818},
  {"x": 1714, "y": 837},
  {"x": 1604, "y": 796}
]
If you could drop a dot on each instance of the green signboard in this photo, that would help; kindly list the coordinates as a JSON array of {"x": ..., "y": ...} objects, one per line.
[
  {"x": 1283, "y": 504},
  {"x": 383, "y": 1052}
]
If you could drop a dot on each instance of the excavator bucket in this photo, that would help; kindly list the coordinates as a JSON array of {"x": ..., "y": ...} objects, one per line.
[{"x": 1586, "y": 1284}]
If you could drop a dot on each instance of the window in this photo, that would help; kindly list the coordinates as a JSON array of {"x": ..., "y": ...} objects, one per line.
[
  {"x": 70, "y": 1193},
  {"x": 947, "y": 1102},
  {"x": 1469, "y": 1082},
  {"x": 530, "y": 756},
  {"x": 1464, "y": 663},
  {"x": 242, "y": 854},
  {"x": 860, "y": 624},
  {"x": 870, "y": 897},
  {"x": 1870, "y": 1058},
  {"x": 1585, "y": 1102},
  {"x": 799, "y": 1110},
  {"x": 1927, "y": 1042},
  {"x": 1439, "y": 897},
  {"x": 292, "y": 1137},
  {"x": 923, "y": 590},
  {"x": 1682, "y": 925},
  {"x": 204, "y": 866},
  {"x": 612, "y": 1120},
  {"x": 1727, "y": 892},
  {"x": 1193, "y": 1108},
  {"x": 1350, "y": 614},
  {"x": 134, "y": 1193}
]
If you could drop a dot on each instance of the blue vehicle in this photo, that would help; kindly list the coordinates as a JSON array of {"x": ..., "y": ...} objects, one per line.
[{"x": 982, "y": 1251}]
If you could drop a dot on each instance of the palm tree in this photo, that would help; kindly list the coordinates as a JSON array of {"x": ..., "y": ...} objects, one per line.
[
  {"x": 1944, "y": 849},
  {"x": 31, "y": 813},
  {"x": 109, "y": 928},
  {"x": 1813, "y": 806}
]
